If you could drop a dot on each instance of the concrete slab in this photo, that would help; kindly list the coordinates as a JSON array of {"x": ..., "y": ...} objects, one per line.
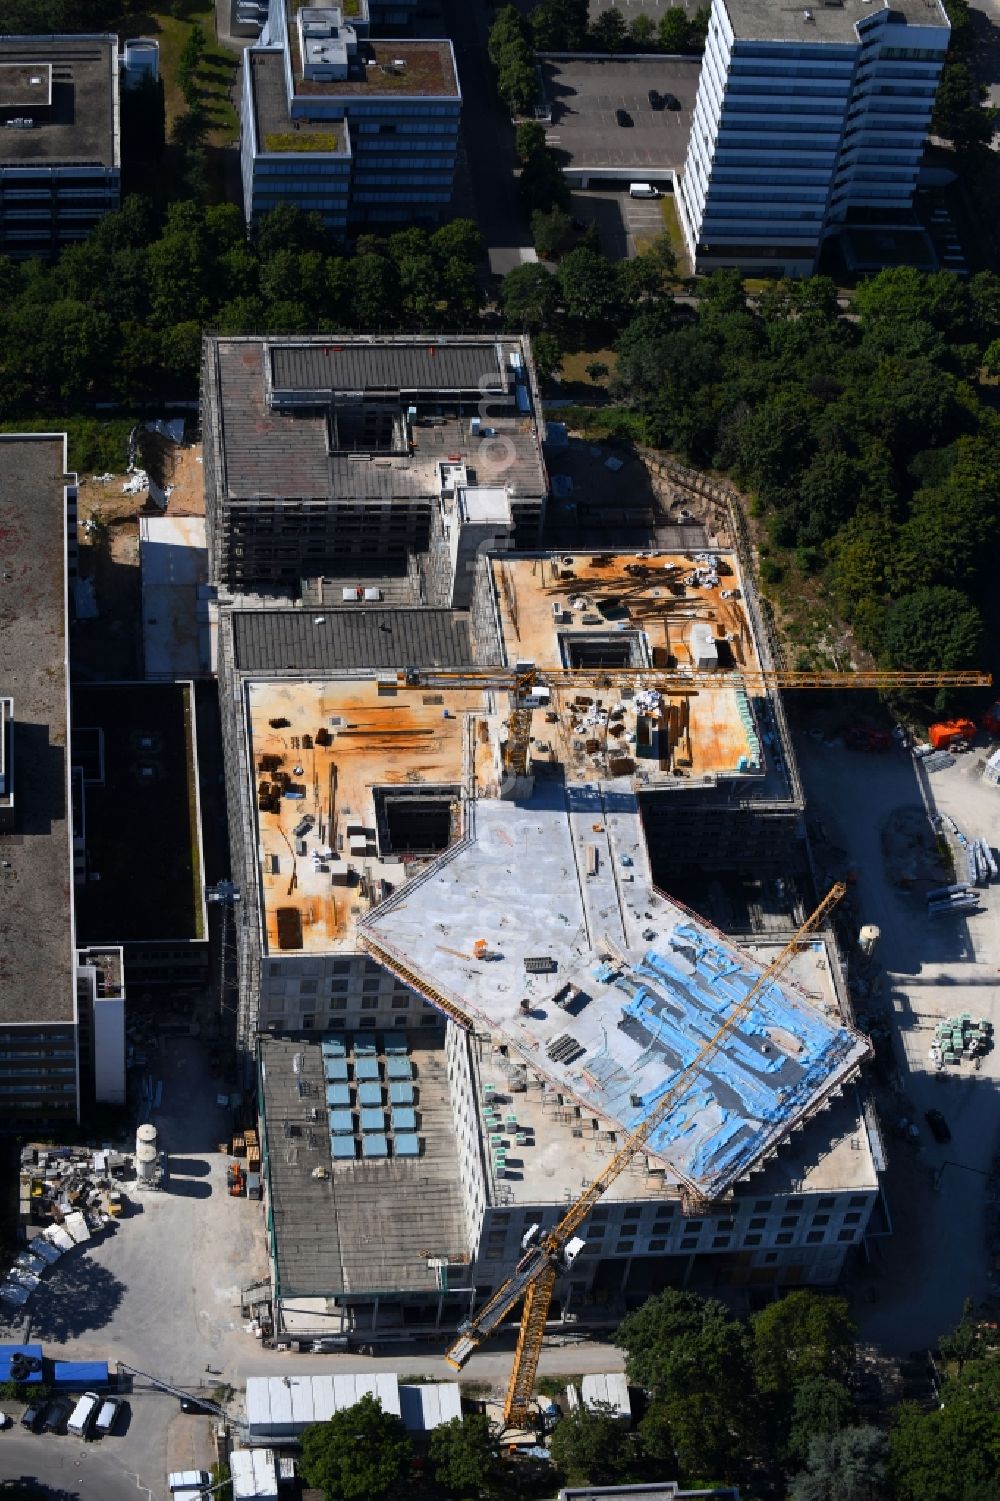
[{"x": 607, "y": 989}]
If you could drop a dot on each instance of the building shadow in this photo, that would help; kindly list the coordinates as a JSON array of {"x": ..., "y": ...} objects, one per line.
[
  {"x": 187, "y": 1188},
  {"x": 39, "y": 778},
  {"x": 187, "y": 1167}
]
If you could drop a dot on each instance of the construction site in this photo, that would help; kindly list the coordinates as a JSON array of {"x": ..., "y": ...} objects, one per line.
[{"x": 446, "y": 873}]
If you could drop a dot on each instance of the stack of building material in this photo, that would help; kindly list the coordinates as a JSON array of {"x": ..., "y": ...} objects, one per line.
[
  {"x": 64, "y": 1194},
  {"x": 960, "y": 897},
  {"x": 981, "y": 867},
  {"x": 959, "y": 1037}
]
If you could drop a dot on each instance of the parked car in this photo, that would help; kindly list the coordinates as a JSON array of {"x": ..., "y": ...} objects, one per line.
[
  {"x": 108, "y": 1416},
  {"x": 81, "y": 1422},
  {"x": 191, "y": 1404},
  {"x": 940, "y": 1130},
  {"x": 56, "y": 1413},
  {"x": 31, "y": 1417},
  {"x": 671, "y": 101},
  {"x": 622, "y": 117},
  {"x": 655, "y": 99}
]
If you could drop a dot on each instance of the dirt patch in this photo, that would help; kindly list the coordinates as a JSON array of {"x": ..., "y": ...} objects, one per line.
[
  {"x": 913, "y": 851},
  {"x": 108, "y": 532},
  {"x": 109, "y": 543},
  {"x": 178, "y": 469}
]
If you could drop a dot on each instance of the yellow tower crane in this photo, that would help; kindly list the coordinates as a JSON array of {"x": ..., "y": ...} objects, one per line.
[{"x": 546, "y": 1255}]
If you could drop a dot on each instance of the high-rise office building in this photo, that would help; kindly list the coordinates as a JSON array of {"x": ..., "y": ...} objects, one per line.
[{"x": 808, "y": 122}]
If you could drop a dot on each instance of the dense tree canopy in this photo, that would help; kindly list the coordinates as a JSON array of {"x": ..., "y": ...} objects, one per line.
[
  {"x": 360, "y": 1454},
  {"x": 119, "y": 316},
  {"x": 953, "y": 1452},
  {"x": 591, "y": 1445},
  {"x": 464, "y": 1455},
  {"x": 866, "y": 442},
  {"x": 694, "y": 1357},
  {"x": 802, "y": 1336},
  {"x": 851, "y": 1466}
]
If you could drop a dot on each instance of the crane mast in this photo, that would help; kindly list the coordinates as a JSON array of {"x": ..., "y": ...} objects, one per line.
[{"x": 534, "y": 1277}]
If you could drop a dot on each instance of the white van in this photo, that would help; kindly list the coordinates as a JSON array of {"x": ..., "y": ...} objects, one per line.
[
  {"x": 642, "y": 190},
  {"x": 110, "y": 1408},
  {"x": 83, "y": 1415}
]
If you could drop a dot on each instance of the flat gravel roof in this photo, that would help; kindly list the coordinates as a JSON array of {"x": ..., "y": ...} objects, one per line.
[
  {"x": 81, "y": 126},
  {"x": 283, "y": 641},
  {"x": 37, "y": 961}
]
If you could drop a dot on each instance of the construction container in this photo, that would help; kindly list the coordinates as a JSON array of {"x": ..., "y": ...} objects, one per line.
[{"x": 68, "y": 1375}]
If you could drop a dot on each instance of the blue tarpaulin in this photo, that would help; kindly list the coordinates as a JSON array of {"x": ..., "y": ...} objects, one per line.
[{"x": 81, "y": 1373}]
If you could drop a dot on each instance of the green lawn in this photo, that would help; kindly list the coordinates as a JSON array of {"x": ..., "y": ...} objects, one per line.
[
  {"x": 215, "y": 75},
  {"x": 574, "y": 366},
  {"x": 672, "y": 229},
  {"x": 290, "y": 140}
]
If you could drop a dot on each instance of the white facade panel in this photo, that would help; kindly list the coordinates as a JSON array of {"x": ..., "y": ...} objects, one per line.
[
  {"x": 279, "y": 1407},
  {"x": 610, "y": 1390},
  {"x": 254, "y": 1475},
  {"x": 424, "y": 1408}
]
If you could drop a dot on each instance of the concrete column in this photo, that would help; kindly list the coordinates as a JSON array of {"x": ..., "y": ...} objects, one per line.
[{"x": 689, "y": 1269}]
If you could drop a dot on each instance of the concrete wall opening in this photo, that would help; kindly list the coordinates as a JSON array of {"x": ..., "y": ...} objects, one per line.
[
  {"x": 586, "y": 649},
  {"x": 416, "y": 820}
]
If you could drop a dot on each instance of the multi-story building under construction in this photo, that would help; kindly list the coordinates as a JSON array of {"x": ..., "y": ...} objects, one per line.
[
  {"x": 334, "y": 451},
  {"x": 464, "y": 984}
]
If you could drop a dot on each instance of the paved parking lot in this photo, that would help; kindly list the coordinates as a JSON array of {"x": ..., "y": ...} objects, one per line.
[
  {"x": 622, "y": 222},
  {"x": 643, "y": 220},
  {"x": 585, "y": 94}
]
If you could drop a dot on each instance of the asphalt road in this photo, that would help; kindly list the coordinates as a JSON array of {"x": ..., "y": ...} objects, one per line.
[
  {"x": 67, "y": 1469},
  {"x": 488, "y": 139}
]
